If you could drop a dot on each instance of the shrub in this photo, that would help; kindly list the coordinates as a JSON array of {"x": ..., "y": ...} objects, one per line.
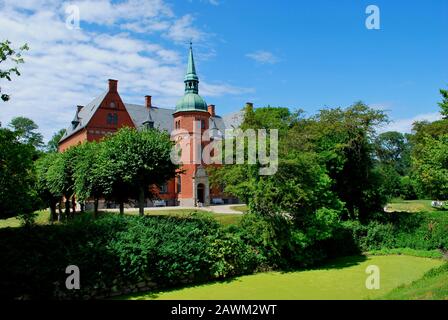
[
  {"x": 401, "y": 230},
  {"x": 118, "y": 252}
]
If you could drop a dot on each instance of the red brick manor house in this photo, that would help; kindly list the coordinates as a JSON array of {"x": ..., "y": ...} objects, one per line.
[{"x": 107, "y": 113}]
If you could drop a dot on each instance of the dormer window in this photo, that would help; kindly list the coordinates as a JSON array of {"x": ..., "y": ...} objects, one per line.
[{"x": 74, "y": 124}]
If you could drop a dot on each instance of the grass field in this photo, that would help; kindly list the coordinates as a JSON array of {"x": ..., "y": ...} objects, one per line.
[
  {"x": 241, "y": 208},
  {"x": 433, "y": 286},
  {"x": 344, "y": 278},
  {"x": 43, "y": 217},
  {"x": 399, "y": 205}
]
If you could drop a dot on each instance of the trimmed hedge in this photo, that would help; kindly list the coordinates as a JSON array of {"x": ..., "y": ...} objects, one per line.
[{"x": 118, "y": 254}]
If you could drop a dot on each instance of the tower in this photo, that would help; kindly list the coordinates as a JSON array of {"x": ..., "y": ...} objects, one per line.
[{"x": 191, "y": 119}]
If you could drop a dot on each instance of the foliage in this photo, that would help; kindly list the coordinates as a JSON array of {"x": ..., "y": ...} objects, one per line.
[
  {"x": 8, "y": 54},
  {"x": 391, "y": 185},
  {"x": 26, "y": 131},
  {"x": 43, "y": 184},
  {"x": 60, "y": 176},
  {"x": 323, "y": 160},
  {"x": 431, "y": 167},
  {"x": 401, "y": 230},
  {"x": 343, "y": 140},
  {"x": 392, "y": 149},
  {"x": 433, "y": 254},
  {"x": 134, "y": 160},
  {"x": 444, "y": 104},
  {"x": 88, "y": 171},
  {"x": 408, "y": 188},
  {"x": 52, "y": 145},
  {"x": 17, "y": 177},
  {"x": 119, "y": 249}
]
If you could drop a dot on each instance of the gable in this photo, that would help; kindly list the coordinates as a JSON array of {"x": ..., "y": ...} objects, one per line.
[{"x": 109, "y": 116}]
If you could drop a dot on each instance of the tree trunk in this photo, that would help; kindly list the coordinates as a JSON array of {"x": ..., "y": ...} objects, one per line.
[
  {"x": 82, "y": 205},
  {"x": 59, "y": 211},
  {"x": 67, "y": 208},
  {"x": 141, "y": 202},
  {"x": 121, "y": 207},
  {"x": 73, "y": 205},
  {"x": 53, "y": 215},
  {"x": 95, "y": 207}
]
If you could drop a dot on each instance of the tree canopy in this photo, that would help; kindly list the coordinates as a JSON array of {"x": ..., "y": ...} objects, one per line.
[
  {"x": 26, "y": 130},
  {"x": 9, "y": 54}
]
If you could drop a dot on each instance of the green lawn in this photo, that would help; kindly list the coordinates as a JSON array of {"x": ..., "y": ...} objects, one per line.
[
  {"x": 399, "y": 205},
  {"x": 241, "y": 208},
  {"x": 433, "y": 286},
  {"x": 344, "y": 278},
  {"x": 43, "y": 217}
]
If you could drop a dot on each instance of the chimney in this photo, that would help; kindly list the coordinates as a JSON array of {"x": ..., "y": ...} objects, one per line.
[
  {"x": 113, "y": 85},
  {"x": 148, "y": 102},
  {"x": 211, "y": 110},
  {"x": 79, "y": 108}
]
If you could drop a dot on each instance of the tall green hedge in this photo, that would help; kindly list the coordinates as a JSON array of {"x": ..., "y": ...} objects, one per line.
[{"x": 117, "y": 251}]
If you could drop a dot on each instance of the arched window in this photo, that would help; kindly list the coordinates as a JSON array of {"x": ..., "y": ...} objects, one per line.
[{"x": 179, "y": 184}]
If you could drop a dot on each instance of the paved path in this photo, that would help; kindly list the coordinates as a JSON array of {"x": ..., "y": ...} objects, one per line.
[{"x": 221, "y": 209}]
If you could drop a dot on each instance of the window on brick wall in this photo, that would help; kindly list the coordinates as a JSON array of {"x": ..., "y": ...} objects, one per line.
[
  {"x": 112, "y": 118},
  {"x": 179, "y": 184}
]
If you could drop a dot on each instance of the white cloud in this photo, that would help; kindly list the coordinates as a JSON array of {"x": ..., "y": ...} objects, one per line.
[
  {"x": 264, "y": 57},
  {"x": 106, "y": 12},
  {"x": 404, "y": 125},
  {"x": 213, "y": 2},
  {"x": 182, "y": 30},
  {"x": 64, "y": 68}
]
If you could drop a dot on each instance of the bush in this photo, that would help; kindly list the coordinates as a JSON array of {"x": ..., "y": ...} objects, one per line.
[
  {"x": 115, "y": 252},
  {"x": 282, "y": 244},
  {"x": 408, "y": 188},
  {"x": 401, "y": 230}
]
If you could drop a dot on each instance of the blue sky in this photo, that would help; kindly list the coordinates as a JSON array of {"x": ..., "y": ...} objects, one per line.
[{"x": 298, "y": 54}]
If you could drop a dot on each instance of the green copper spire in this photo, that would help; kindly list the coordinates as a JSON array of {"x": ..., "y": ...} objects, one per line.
[
  {"x": 191, "y": 101},
  {"x": 191, "y": 78},
  {"x": 191, "y": 69}
]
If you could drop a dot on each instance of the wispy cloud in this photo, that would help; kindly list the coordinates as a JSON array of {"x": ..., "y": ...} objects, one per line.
[
  {"x": 213, "y": 2},
  {"x": 264, "y": 57},
  {"x": 64, "y": 67},
  {"x": 404, "y": 125}
]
